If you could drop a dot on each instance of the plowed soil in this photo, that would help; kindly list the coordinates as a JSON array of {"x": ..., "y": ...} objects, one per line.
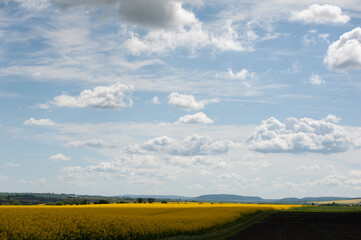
[{"x": 305, "y": 226}]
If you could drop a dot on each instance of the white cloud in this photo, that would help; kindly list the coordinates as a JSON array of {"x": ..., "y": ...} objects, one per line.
[
  {"x": 316, "y": 79},
  {"x": 199, "y": 117},
  {"x": 312, "y": 37},
  {"x": 39, "y": 182},
  {"x": 255, "y": 161},
  {"x": 240, "y": 75},
  {"x": 315, "y": 167},
  {"x": 193, "y": 38},
  {"x": 155, "y": 13},
  {"x": 155, "y": 100},
  {"x": 204, "y": 172},
  {"x": 98, "y": 143},
  {"x": 345, "y": 53},
  {"x": 2, "y": 177},
  {"x": 59, "y": 157},
  {"x": 188, "y": 102},
  {"x": 36, "y": 5},
  {"x": 195, "y": 187},
  {"x": 190, "y": 146},
  {"x": 335, "y": 179},
  {"x": 103, "y": 97},
  {"x": 257, "y": 164},
  {"x": 228, "y": 39},
  {"x": 330, "y": 167},
  {"x": 303, "y": 135},
  {"x": 143, "y": 13},
  {"x": 320, "y": 14},
  {"x": 355, "y": 173},
  {"x": 302, "y": 167},
  {"x": 332, "y": 118},
  {"x": 10, "y": 164},
  {"x": 39, "y": 122},
  {"x": 134, "y": 168},
  {"x": 237, "y": 182}
]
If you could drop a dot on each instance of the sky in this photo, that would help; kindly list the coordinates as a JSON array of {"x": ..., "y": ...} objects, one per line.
[{"x": 112, "y": 97}]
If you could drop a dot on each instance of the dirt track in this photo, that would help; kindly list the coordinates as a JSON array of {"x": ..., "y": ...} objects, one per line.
[{"x": 305, "y": 226}]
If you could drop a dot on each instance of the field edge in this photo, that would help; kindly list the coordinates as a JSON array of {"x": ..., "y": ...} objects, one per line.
[{"x": 229, "y": 230}]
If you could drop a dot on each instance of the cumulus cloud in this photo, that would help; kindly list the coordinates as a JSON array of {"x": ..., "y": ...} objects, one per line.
[
  {"x": 188, "y": 102},
  {"x": 320, "y": 14},
  {"x": 190, "y": 146},
  {"x": 303, "y": 135},
  {"x": 143, "y": 13},
  {"x": 345, "y": 53},
  {"x": 97, "y": 143},
  {"x": 39, "y": 122},
  {"x": 199, "y": 117},
  {"x": 59, "y": 157},
  {"x": 316, "y": 79},
  {"x": 240, "y": 75},
  {"x": 155, "y": 100},
  {"x": 332, "y": 118},
  {"x": 103, "y": 97},
  {"x": 155, "y": 13}
]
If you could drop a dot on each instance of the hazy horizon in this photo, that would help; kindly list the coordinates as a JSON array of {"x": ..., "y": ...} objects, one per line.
[{"x": 167, "y": 97}]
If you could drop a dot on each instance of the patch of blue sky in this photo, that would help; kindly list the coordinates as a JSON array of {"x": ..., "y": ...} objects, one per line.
[{"x": 48, "y": 53}]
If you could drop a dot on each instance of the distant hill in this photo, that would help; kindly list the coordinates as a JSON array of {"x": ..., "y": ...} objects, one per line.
[
  {"x": 52, "y": 198},
  {"x": 343, "y": 201},
  {"x": 227, "y": 198},
  {"x": 173, "y": 197},
  {"x": 236, "y": 198},
  {"x": 309, "y": 199}
]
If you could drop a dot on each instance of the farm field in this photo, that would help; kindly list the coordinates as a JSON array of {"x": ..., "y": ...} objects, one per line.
[
  {"x": 318, "y": 223},
  {"x": 346, "y": 201},
  {"x": 120, "y": 221}
]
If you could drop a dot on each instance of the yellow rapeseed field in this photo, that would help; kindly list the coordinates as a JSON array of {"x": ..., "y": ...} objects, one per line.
[{"x": 119, "y": 221}]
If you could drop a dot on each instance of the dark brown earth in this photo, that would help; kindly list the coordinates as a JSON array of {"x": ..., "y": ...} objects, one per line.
[{"x": 305, "y": 226}]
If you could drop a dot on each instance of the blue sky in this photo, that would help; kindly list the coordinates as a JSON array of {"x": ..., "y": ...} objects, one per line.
[{"x": 181, "y": 97}]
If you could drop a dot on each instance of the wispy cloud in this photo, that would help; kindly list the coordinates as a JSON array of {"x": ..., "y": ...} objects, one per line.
[{"x": 40, "y": 122}]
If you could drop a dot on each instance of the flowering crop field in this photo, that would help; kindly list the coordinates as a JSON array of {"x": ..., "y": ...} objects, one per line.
[{"x": 120, "y": 221}]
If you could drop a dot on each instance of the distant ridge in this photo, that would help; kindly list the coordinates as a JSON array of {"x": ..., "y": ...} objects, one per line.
[
  {"x": 227, "y": 198},
  {"x": 41, "y": 198},
  {"x": 173, "y": 197},
  {"x": 310, "y": 199},
  {"x": 233, "y": 198}
]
